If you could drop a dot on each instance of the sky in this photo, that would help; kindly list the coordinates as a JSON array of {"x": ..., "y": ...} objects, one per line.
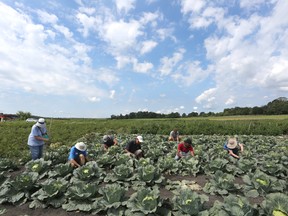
[{"x": 97, "y": 58}]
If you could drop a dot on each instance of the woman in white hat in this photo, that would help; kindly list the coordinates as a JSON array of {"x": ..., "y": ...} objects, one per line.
[
  {"x": 78, "y": 155},
  {"x": 37, "y": 138},
  {"x": 233, "y": 147}
]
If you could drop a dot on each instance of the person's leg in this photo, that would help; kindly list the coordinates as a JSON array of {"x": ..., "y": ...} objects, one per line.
[
  {"x": 138, "y": 153},
  {"x": 40, "y": 151},
  {"x": 81, "y": 159},
  {"x": 34, "y": 152},
  {"x": 185, "y": 154}
]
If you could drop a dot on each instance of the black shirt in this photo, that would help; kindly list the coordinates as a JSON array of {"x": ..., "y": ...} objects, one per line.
[{"x": 132, "y": 146}]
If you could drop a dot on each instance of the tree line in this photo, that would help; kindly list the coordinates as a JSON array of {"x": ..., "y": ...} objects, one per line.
[{"x": 278, "y": 106}]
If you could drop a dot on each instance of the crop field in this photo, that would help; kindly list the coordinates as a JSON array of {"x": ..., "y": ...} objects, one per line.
[{"x": 113, "y": 183}]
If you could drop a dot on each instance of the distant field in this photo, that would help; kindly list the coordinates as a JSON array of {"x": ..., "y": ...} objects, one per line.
[
  {"x": 248, "y": 117},
  {"x": 14, "y": 134}
]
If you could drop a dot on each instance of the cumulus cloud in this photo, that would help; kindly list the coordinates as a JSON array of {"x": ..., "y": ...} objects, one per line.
[
  {"x": 248, "y": 55},
  {"x": 147, "y": 46},
  {"x": 124, "y": 5},
  {"x": 53, "y": 65},
  {"x": 168, "y": 64}
]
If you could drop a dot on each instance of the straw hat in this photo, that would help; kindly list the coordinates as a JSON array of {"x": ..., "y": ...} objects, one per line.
[
  {"x": 81, "y": 146},
  {"x": 232, "y": 143}
]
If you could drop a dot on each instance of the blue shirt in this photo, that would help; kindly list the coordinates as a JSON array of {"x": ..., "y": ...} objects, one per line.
[
  {"x": 36, "y": 131},
  {"x": 74, "y": 153}
]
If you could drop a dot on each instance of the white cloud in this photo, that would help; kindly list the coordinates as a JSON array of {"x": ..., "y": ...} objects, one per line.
[
  {"x": 167, "y": 64},
  {"x": 207, "y": 95},
  {"x": 107, "y": 76},
  {"x": 125, "y": 5},
  {"x": 147, "y": 46},
  {"x": 142, "y": 67},
  {"x": 47, "y": 18},
  {"x": 41, "y": 64},
  {"x": 163, "y": 33},
  {"x": 249, "y": 57},
  {"x": 190, "y": 72},
  {"x": 188, "y": 6},
  {"x": 121, "y": 35},
  {"x": 112, "y": 94},
  {"x": 248, "y": 3}
]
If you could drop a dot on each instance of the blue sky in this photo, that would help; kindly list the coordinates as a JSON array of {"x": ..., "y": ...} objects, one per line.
[{"x": 97, "y": 58}]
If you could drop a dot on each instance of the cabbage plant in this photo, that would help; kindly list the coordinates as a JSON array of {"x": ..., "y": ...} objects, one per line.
[
  {"x": 214, "y": 165},
  {"x": 40, "y": 166},
  {"x": 145, "y": 201},
  {"x": 121, "y": 173},
  {"x": 149, "y": 174},
  {"x": 113, "y": 197},
  {"x": 52, "y": 193},
  {"x": 19, "y": 190},
  {"x": 188, "y": 202},
  {"x": 88, "y": 172},
  {"x": 61, "y": 170},
  {"x": 275, "y": 204},
  {"x": 221, "y": 183},
  {"x": 7, "y": 164},
  {"x": 233, "y": 206},
  {"x": 259, "y": 183},
  {"x": 81, "y": 196},
  {"x": 189, "y": 166},
  {"x": 167, "y": 165}
]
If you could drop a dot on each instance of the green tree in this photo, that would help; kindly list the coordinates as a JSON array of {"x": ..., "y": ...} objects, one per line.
[{"x": 23, "y": 115}]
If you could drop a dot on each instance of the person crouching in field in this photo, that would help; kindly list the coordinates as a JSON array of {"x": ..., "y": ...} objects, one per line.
[
  {"x": 133, "y": 147},
  {"x": 78, "y": 155},
  {"x": 233, "y": 147},
  {"x": 174, "y": 135},
  {"x": 184, "y": 149},
  {"x": 108, "y": 141}
]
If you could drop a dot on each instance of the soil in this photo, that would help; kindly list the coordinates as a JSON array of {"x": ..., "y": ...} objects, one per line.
[{"x": 24, "y": 209}]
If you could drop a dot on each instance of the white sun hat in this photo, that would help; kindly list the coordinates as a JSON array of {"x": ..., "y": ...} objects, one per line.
[
  {"x": 232, "y": 143},
  {"x": 140, "y": 138},
  {"x": 81, "y": 146},
  {"x": 41, "y": 122}
]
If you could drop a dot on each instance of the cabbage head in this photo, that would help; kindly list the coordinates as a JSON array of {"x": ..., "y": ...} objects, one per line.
[
  {"x": 189, "y": 202},
  {"x": 275, "y": 204},
  {"x": 145, "y": 200}
]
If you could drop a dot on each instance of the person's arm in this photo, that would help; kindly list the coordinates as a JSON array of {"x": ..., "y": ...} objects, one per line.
[
  {"x": 74, "y": 163},
  {"x": 115, "y": 141},
  {"x": 232, "y": 154},
  {"x": 105, "y": 147},
  {"x": 241, "y": 147},
  {"x": 179, "y": 151},
  {"x": 40, "y": 138},
  {"x": 192, "y": 152}
]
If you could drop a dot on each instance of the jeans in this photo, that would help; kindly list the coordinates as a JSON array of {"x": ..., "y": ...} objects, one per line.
[
  {"x": 184, "y": 154},
  {"x": 36, "y": 152}
]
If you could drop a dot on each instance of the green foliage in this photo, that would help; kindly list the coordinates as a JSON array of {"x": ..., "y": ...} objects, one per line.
[
  {"x": 188, "y": 202},
  {"x": 146, "y": 200},
  {"x": 259, "y": 183},
  {"x": 20, "y": 189},
  {"x": 221, "y": 183},
  {"x": 275, "y": 204},
  {"x": 51, "y": 194},
  {"x": 233, "y": 206}
]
